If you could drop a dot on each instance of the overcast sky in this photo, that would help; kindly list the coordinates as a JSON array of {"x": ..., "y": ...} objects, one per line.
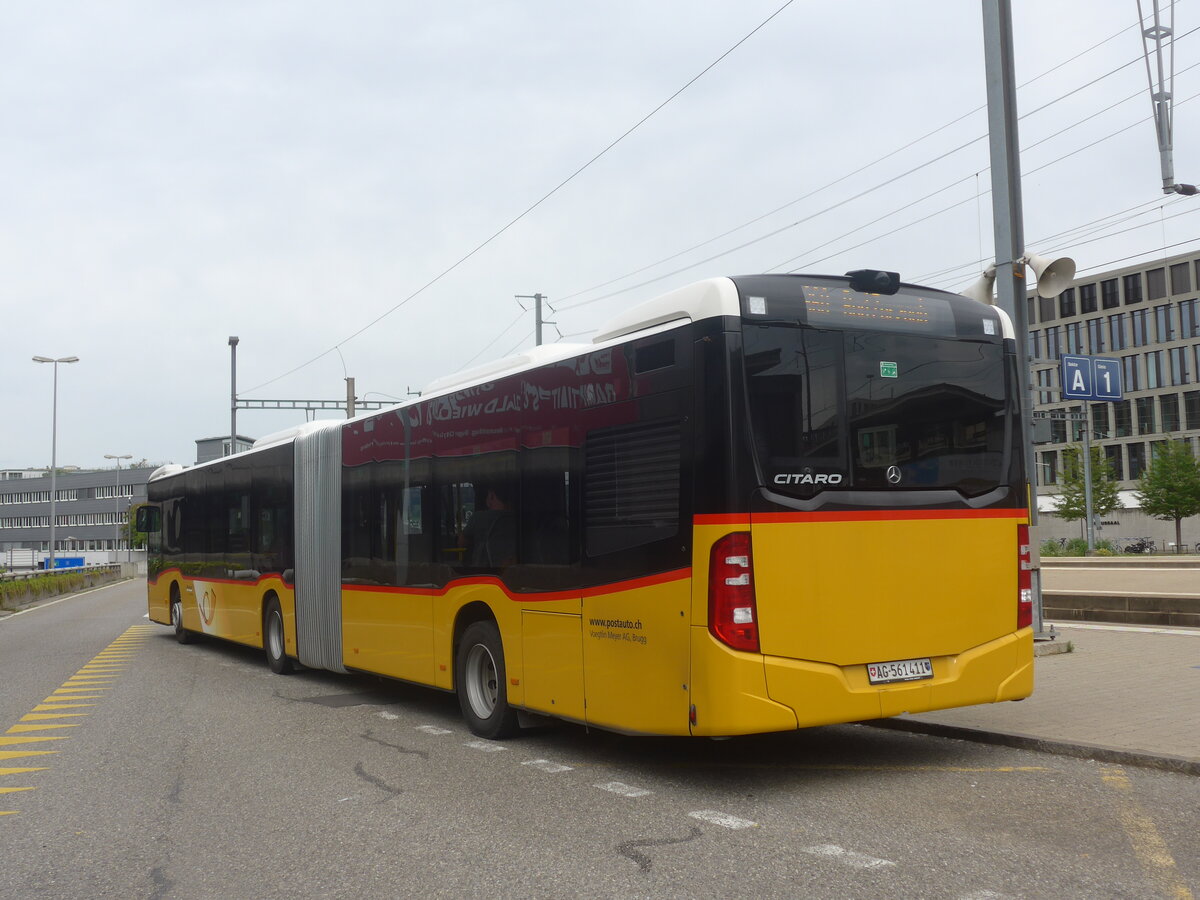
[{"x": 289, "y": 172}]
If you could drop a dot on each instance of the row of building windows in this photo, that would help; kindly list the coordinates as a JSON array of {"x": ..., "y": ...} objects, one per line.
[
  {"x": 1127, "y": 461},
  {"x": 1107, "y": 294},
  {"x": 1163, "y": 414},
  {"x": 107, "y": 492},
  {"x": 73, "y": 546},
  {"x": 102, "y": 518},
  {"x": 1104, "y": 334},
  {"x": 1174, "y": 367}
]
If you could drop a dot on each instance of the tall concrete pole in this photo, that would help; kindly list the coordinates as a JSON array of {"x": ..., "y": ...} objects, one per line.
[
  {"x": 537, "y": 315},
  {"x": 233, "y": 342},
  {"x": 54, "y": 445},
  {"x": 1008, "y": 230},
  {"x": 53, "y": 464}
]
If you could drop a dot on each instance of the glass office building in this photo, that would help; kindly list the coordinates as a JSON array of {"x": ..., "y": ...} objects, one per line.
[{"x": 1146, "y": 316}]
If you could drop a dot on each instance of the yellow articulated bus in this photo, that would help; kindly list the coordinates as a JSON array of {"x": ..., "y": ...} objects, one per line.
[{"x": 753, "y": 504}]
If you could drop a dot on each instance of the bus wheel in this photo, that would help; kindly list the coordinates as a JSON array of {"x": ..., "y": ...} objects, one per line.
[
  {"x": 277, "y": 657},
  {"x": 480, "y": 682},
  {"x": 181, "y": 634}
]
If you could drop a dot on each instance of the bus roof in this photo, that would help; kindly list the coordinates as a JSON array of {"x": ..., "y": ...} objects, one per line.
[{"x": 710, "y": 298}]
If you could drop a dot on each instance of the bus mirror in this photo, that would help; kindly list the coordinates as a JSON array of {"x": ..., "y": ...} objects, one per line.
[
  {"x": 874, "y": 281},
  {"x": 147, "y": 519}
]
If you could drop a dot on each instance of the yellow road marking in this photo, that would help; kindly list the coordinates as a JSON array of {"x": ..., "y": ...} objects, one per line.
[
  {"x": 1148, "y": 845},
  {"x": 16, "y": 754},
  {"x": 24, "y": 729},
  {"x": 10, "y": 741},
  {"x": 36, "y": 717},
  {"x": 89, "y": 683}
]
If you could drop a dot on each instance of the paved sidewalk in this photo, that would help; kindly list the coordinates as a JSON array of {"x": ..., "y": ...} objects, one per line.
[{"x": 1127, "y": 694}]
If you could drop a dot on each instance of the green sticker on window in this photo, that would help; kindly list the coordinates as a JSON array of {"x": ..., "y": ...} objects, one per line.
[{"x": 888, "y": 370}]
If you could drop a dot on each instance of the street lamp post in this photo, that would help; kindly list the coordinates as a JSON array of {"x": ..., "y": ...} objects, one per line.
[
  {"x": 54, "y": 442},
  {"x": 117, "y": 492}
]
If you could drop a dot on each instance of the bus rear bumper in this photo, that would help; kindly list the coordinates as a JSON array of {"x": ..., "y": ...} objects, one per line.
[{"x": 823, "y": 694}]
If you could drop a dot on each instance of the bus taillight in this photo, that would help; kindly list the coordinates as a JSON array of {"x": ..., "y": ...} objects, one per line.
[
  {"x": 1024, "y": 579},
  {"x": 732, "y": 612}
]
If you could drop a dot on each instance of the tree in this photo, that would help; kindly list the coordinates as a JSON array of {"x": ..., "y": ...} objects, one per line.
[
  {"x": 1071, "y": 502},
  {"x": 1169, "y": 488},
  {"x": 136, "y": 539}
]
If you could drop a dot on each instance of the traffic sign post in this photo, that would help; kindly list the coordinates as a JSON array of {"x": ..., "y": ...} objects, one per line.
[
  {"x": 1107, "y": 378},
  {"x": 1090, "y": 378}
]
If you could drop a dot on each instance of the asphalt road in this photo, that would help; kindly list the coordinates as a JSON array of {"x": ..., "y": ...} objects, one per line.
[{"x": 196, "y": 773}]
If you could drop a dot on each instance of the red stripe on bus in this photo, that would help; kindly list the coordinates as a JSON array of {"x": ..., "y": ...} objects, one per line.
[
  {"x": 531, "y": 597},
  {"x": 202, "y": 579},
  {"x": 872, "y": 515}
]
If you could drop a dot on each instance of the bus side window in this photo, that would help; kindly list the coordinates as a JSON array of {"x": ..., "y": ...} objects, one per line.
[
  {"x": 455, "y": 510},
  {"x": 414, "y": 541}
]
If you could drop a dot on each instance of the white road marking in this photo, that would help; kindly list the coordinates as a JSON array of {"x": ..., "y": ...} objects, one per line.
[
  {"x": 485, "y": 746},
  {"x": 624, "y": 790},
  {"x": 544, "y": 765},
  {"x": 389, "y": 716},
  {"x": 723, "y": 819},
  {"x": 984, "y": 895},
  {"x": 433, "y": 729},
  {"x": 847, "y": 857}
]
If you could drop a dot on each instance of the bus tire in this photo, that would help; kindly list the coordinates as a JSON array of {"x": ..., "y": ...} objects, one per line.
[
  {"x": 273, "y": 639},
  {"x": 480, "y": 682},
  {"x": 181, "y": 634}
]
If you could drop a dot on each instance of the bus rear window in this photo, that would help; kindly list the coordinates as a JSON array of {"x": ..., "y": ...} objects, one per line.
[{"x": 872, "y": 410}]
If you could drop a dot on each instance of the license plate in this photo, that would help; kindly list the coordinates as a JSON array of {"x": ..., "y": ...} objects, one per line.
[{"x": 899, "y": 670}]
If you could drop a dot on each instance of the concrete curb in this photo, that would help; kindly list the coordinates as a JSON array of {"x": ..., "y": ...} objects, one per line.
[{"x": 1143, "y": 759}]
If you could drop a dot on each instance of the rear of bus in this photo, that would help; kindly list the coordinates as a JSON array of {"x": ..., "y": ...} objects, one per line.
[{"x": 860, "y": 535}]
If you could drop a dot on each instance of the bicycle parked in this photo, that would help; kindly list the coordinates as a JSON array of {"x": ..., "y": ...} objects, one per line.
[{"x": 1139, "y": 545}]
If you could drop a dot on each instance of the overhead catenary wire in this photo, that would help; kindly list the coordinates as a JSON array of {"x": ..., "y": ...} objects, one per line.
[
  {"x": 952, "y": 206},
  {"x": 1144, "y": 253},
  {"x": 1049, "y": 247},
  {"x": 888, "y": 182},
  {"x": 889, "y": 233},
  {"x": 507, "y": 328},
  {"x": 1083, "y": 229},
  {"x": 859, "y": 171},
  {"x": 536, "y": 203},
  {"x": 1025, "y": 149}
]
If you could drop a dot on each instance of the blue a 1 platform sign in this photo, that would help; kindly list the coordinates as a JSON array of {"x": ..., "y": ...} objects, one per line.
[{"x": 1091, "y": 378}]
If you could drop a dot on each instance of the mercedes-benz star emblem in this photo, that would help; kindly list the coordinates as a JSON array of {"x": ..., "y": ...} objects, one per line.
[{"x": 893, "y": 474}]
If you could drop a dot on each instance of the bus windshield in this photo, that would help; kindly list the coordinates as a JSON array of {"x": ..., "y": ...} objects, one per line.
[{"x": 875, "y": 410}]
